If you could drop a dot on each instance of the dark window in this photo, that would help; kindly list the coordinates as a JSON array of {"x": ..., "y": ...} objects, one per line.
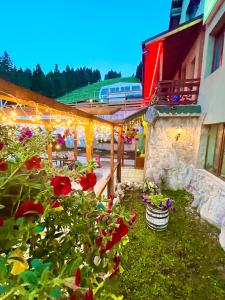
[
  {"x": 104, "y": 91},
  {"x": 218, "y": 50},
  {"x": 192, "y": 9},
  {"x": 136, "y": 88},
  {"x": 127, "y": 88},
  {"x": 112, "y": 90},
  {"x": 215, "y": 157}
]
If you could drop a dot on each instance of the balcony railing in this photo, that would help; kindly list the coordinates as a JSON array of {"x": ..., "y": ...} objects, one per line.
[{"x": 177, "y": 92}]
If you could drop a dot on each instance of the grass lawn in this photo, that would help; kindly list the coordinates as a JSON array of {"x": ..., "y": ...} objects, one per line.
[
  {"x": 91, "y": 91},
  {"x": 183, "y": 262}
]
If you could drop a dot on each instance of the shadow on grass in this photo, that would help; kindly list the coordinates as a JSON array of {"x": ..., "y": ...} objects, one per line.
[{"x": 183, "y": 262}]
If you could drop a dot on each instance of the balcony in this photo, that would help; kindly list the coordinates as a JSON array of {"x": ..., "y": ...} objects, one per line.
[{"x": 177, "y": 92}]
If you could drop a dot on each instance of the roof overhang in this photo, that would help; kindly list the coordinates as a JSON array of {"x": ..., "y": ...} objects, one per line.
[
  {"x": 165, "y": 34},
  {"x": 176, "y": 44}
]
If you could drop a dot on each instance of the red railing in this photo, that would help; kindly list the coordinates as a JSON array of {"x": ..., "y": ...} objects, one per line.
[{"x": 177, "y": 92}]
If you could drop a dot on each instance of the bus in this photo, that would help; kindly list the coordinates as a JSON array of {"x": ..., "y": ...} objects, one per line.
[{"x": 121, "y": 91}]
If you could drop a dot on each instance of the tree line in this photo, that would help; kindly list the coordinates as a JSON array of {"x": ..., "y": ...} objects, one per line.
[{"x": 55, "y": 83}]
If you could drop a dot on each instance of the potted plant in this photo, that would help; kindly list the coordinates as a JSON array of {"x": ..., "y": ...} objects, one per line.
[{"x": 157, "y": 210}]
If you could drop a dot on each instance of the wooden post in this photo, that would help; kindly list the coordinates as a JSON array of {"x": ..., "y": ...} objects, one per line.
[
  {"x": 75, "y": 144},
  {"x": 119, "y": 154},
  {"x": 111, "y": 181},
  {"x": 89, "y": 139},
  {"x": 49, "y": 150},
  {"x": 122, "y": 151}
]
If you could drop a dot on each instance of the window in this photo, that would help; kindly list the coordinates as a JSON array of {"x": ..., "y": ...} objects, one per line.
[
  {"x": 112, "y": 90},
  {"x": 127, "y": 88},
  {"x": 215, "y": 156},
  {"x": 136, "y": 88},
  {"x": 104, "y": 91},
  {"x": 218, "y": 50},
  {"x": 192, "y": 9}
]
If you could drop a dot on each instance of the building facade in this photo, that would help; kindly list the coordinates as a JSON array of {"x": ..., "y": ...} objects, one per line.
[{"x": 184, "y": 84}]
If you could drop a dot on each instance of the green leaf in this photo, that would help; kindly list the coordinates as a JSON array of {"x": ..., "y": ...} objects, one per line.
[
  {"x": 3, "y": 288},
  {"x": 55, "y": 293},
  {"x": 29, "y": 277},
  {"x": 36, "y": 263},
  {"x": 20, "y": 221},
  {"x": 39, "y": 228},
  {"x": 3, "y": 269}
]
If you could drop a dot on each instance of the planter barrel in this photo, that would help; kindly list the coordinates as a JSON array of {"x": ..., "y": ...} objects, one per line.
[{"x": 157, "y": 219}]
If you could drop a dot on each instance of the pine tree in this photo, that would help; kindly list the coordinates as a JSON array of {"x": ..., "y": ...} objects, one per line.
[
  {"x": 112, "y": 74},
  {"x": 59, "y": 82},
  {"x": 6, "y": 64},
  {"x": 50, "y": 89},
  {"x": 139, "y": 71},
  {"x": 38, "y": 83}
]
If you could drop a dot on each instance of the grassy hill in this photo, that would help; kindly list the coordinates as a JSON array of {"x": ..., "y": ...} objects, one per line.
[{"x": 91, "y": 91}]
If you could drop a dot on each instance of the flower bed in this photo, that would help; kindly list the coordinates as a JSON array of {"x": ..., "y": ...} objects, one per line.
[{"x": 55, "y": 242}]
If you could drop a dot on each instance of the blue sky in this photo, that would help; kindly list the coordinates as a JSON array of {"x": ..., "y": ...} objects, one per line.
[{"x": 103, "y": 34}]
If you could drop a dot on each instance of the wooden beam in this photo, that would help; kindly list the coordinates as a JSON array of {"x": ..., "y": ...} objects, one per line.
[
  {"x": 119, "y": 154},
  {"x": 111, "y": 181},
  {"x": 75, "y": 144},
  {"x": 89, "y": 139},
  {"x": 20, "y": 95},
  {"x": 101, "y": 110},
  {"x": 122, "y": 152}
]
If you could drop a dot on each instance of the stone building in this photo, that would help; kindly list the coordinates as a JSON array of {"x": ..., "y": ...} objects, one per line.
[{"x": 184, "y": 84}]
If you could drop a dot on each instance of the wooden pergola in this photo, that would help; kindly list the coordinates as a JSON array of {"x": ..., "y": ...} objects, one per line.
[{"x": 30, "y": 107}]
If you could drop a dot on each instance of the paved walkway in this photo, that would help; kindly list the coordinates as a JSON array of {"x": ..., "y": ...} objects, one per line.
[{"x": 130, "y": 174}]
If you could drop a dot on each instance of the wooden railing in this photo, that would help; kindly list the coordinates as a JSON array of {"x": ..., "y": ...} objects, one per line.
[
  {"x": 113, "y": 103},
  {"x": 106, "y": 182},
  {"x": 177, "y": 92}
]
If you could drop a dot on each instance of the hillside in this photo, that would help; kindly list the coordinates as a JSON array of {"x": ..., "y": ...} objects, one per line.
[{"x": 91, "y": 91}]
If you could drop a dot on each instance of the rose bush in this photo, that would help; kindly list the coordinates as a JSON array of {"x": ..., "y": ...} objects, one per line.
[{"x": 55, "y": 241}]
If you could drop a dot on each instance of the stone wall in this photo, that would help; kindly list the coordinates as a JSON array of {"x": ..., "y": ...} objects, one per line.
[
  {"x": 177, "y": 161},
  {"x": 209, "y": 198},
  {"x": 172, "y": 144}
]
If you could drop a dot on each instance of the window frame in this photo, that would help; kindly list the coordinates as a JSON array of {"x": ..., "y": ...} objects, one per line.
[
  {"x": 221, "y": 153},
  {"x": 216, "y": 37}
]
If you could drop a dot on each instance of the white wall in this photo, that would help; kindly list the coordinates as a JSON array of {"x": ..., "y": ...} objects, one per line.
[{"x": 212, "y": 89}]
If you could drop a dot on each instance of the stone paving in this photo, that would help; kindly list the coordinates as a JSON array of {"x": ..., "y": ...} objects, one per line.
[{"x": 130, "y": 174}]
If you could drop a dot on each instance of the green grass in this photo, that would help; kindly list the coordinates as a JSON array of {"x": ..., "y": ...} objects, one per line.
[
  {"x": 183, "y": 262},
  {"x": 91, "y": 91}
]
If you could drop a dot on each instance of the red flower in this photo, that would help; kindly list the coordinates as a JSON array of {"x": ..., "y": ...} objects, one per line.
[
  {"x": 1, "y": 145},
  {"x": 77, "y": 278},
  {"x": 89, "y": 295},
  {"x": 1, "y": 221},
  {"x": 3, "y": 165},
  {"x": 133, "y": 218},
  {"x": 28, "y": 209},
  {"x": 72, "y": 297},
  {"x": 117, "y": 235},
  {"x": 110, "y": 203},
  {"x": 33, "y": 163},
  {"x": 61, "y": 185},
  {"x": 55, "y": 204},
  {"x": 99, "y": 241},
  {"x": 88, "y": 182}
]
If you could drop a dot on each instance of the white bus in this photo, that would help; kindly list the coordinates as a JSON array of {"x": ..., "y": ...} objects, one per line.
[{"x": 121, "y": 91}]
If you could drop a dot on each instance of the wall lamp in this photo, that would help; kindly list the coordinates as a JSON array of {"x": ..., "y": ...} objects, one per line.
[{"x": 178, "y": 133}]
